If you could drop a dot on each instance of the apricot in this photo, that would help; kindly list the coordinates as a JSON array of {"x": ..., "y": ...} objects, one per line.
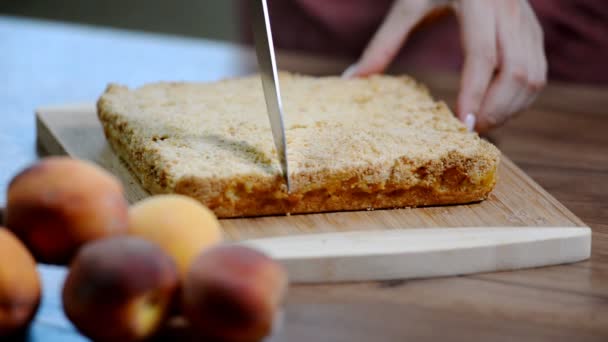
[
  {"x": 120, "y": 289},
  {"x": 180, "y": 225},
  {"x": 59, "y": 204},
  {"x": 19, "y": 285},
  {"x": 233, "y": 293}
]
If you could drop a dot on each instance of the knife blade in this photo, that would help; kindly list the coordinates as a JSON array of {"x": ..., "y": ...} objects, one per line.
[{"x": 264, "y": 47}]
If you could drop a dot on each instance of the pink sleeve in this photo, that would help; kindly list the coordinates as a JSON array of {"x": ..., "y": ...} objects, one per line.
[
  {"x": 339, "y": 27},
  {"x": 576, "y": 38},
  {"x": 576, "y": 34}
]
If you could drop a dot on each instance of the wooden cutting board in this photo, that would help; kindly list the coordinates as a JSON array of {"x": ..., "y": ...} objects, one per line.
[{"x": 519, "y": 226}]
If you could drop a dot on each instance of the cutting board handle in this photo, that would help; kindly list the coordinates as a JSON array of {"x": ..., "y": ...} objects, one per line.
[{"x": 417, "y": 253}]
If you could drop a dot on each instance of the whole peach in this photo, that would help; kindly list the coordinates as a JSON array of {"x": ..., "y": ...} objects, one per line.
[
  {"x": 19, "y": 285},
  {"x": 180, "y": 225},
  {"x": 59, "y": 204},
  {"x": 233, "y": 293},
  {"x": 120, "y": 289}
]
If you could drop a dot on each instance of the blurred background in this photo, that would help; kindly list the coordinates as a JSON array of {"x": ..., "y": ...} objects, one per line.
[
  {"x": 576, "y": 31},
  {"x": 212, "y": 19}
]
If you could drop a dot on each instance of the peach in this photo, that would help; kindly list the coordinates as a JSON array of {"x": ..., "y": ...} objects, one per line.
[
  {"x": 59, "y": 204},
  {"x": 233, "y": 293},
  {"x": 120, "y": 289},
  {"x": 180, "y": 225},
  {"x": 19, "y": 285}
]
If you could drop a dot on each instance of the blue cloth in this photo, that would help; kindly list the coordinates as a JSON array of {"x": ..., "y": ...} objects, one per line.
[{"x": 45, "y": 63}]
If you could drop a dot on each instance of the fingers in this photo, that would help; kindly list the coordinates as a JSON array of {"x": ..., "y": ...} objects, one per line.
[
  {"x": 389, "y": 39},
  {"x": 479, "y": 42},
  {"x": 503, "y": 93},
  {"x": 522, "y": 65},
  {"x": 505, "y": 65},
  {"x": 536, "y": 51}
]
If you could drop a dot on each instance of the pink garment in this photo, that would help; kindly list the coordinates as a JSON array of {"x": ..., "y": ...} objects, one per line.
[
  {"x": 576, "y": 34},
  {"x": 576, "y": 38}
]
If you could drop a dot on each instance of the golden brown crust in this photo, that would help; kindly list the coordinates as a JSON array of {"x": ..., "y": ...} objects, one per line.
[
  {"x": 263, "y": 203},
  {"x": 430, "y": 174}
]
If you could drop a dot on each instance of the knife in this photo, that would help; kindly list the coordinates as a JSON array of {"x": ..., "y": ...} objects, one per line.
[{"x": 264, "y": 47}]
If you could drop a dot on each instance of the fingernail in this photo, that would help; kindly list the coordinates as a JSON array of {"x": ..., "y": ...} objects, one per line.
[
  {"x": 350, "y": 71},
  {"x": 469, "y": 122}
]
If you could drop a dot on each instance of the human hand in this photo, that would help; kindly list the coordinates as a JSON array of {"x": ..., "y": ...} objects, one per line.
[{"x": 505, "y": 64}]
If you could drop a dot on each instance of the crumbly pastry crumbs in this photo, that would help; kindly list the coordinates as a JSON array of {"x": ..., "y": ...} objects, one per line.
[{"x": 378, "y": 142}]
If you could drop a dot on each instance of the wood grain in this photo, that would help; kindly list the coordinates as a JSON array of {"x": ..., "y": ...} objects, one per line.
[
  {"x": 493, "y": 235},
  {"x": 423, "y": 253},
  {"x": 487, "y": 307},
  {"x": 561, "y": 303},
  {"x": 576, "y": 176},
  {"x": 461, "y": 309},
  {"x": 516, "y": 201}
]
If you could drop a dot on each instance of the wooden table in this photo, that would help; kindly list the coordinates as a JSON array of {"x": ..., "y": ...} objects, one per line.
[{"x": 562, "y": 142}]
